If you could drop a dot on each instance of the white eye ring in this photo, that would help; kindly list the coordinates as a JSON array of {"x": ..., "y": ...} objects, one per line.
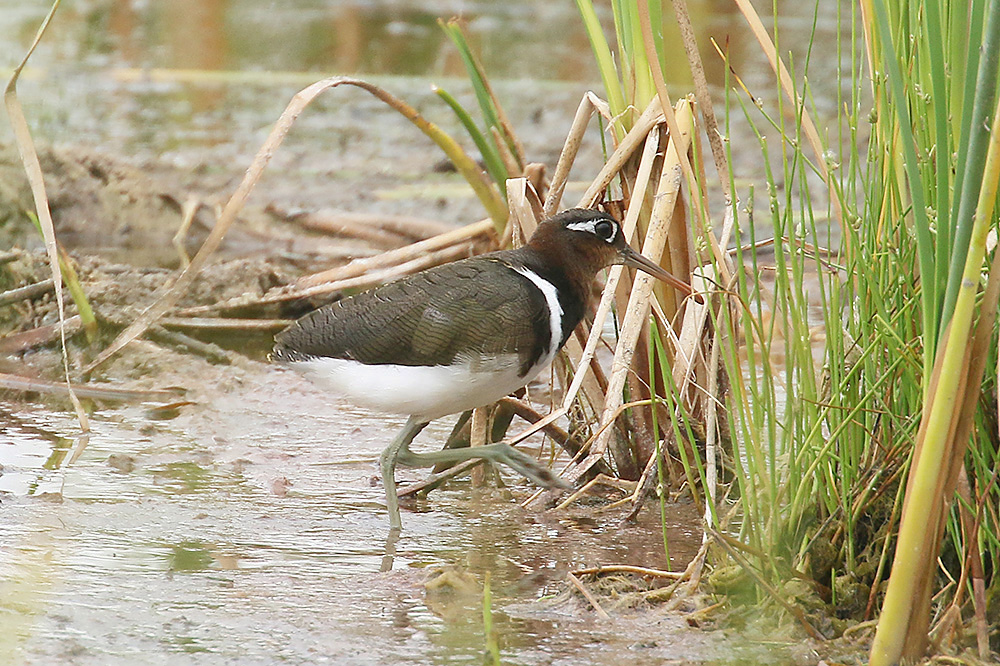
[{"x": 603, "y": 228}]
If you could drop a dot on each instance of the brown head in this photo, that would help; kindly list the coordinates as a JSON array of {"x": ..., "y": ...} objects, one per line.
[{"x": 584, "y": 241}]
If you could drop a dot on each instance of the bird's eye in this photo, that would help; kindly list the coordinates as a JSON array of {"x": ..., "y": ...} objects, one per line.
[{"x": 605, "y": 229}]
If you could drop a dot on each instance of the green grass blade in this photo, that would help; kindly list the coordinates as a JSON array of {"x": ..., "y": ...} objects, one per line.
[
  {"x": 942, "y": 145},
  {"x": 492, "y": 655},
  {"x": 921, "y": 223},
  {"x": 454, "y": 32},
  {"x": 491, "y": 159},
  {"x": 605, "y": 61},
  {"x": 972, "y": 159},
  {"x": 488, "y": 103},
  {"x": 75, "y": 289}
]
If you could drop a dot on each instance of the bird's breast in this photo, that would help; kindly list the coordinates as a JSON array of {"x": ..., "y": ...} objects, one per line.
[{"x": 427, "y": 392}]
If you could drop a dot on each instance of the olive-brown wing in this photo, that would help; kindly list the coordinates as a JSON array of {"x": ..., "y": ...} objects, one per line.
[{"x": 473, "y": 310}]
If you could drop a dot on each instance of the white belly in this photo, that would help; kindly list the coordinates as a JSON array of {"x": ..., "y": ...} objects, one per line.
[{"x": 427, "y": 392}]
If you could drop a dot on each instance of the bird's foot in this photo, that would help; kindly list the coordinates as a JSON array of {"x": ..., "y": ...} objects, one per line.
[{"x": 531, "y": 469}]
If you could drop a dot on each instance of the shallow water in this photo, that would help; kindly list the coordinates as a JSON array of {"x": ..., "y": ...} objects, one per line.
[{"x": 249, "y": 530}]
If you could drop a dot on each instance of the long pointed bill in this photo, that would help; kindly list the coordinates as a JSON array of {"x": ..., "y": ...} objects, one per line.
[{"x": 632, "y": 258}]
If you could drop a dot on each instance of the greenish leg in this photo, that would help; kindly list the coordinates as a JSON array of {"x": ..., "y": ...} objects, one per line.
[
  {"x": 400, "y": 445},
  {"x": 499, "y": 453}
]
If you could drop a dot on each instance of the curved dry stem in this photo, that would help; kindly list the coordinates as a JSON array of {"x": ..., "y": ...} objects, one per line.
[
  {"x": 299, "y": 102},
  {"x": 571, "y": 147},
  {"x": 33, "y": 170}
]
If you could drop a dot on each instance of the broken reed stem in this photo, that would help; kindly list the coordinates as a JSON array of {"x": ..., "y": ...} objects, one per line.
[
  {"x": 373, "y": 277},
  {"x": 588, "y": 596},
  {"x": 10, "y": 382},
  {"x": 578, "y": 493},
  {"x": 628, "y": 568},
  {"x": 27, "y": 292},
  {"x": 14, "y": 343},
  {"x": 567, "y": 156},
  {"x": 525, "y": 210},
  {"x": 397, "y": 257},
  {"x": 364, "y": 281},
  {"x": 614, "y": 274},
  {"x": 229, "y": 324},
  {"x": 395, "y": 228},
  {"x": 636, "y": 314},
  {"x": 529, "y": 414},
  {"x": 635, "y": 137}
]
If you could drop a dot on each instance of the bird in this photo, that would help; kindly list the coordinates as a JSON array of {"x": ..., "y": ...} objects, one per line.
[{"x": 461, "y": 335}]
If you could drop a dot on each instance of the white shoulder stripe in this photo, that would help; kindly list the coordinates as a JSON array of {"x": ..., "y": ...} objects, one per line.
[{"x": 552, "y": 301}]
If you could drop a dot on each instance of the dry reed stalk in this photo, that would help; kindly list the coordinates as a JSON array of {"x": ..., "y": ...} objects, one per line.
[
  {"x": 354, "y": 229},
  {"x": 599, "y": 480},
  {"x": 224, "y": 323},
  {"x": 27, "y": 292},
  {"x": 33, "y": 171},
  {"x": 374, "y": 277},
  {"x": 652, "y": 142},
  {"x": 687, "y": 346},
  {"x": 638, "y": 308},
  {"x": 19, "y": 383},
  {"x": 525, "y": 209},
  {"x": 41, "y": 335},
  {"x": 399, "y": 256},
  {"x": 571, "y": 147},
  {"x": 588, "y": 596},
  {"x": 627, "y": 568},
  {"x": 478, "y": 437},
  {"x": 528, "y": 413},
  {"x": 622, "y": 154},
  {"x": 340, "y": 222},
  {"x": 283, "y": 294},
  {"x": 188, "y": 210}
]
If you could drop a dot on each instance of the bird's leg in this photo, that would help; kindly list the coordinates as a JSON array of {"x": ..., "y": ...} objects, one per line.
[
  {"x": 400, "y": 445},
  {"x": 500, "y": 453}
]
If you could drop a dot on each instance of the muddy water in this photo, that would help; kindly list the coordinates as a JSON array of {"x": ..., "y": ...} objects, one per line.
[{"x": 248, "y": 530}]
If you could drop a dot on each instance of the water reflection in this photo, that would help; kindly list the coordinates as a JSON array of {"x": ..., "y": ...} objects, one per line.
[
  {"x": 521, "y": 39},
  {"x": 171, "y": 530}
]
